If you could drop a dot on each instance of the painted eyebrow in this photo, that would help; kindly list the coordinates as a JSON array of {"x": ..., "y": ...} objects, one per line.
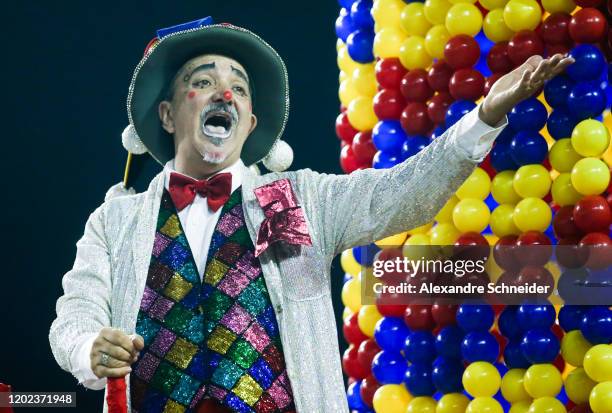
[
  {"x": 240, "y": 74},
  {"x": 206, "y": 66}
]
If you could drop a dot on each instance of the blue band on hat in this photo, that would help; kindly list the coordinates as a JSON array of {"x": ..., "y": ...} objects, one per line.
[{"x": 161, "y": 33}]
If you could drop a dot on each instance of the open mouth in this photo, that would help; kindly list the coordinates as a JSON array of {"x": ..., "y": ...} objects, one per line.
[{"x": 217, "y": 124}]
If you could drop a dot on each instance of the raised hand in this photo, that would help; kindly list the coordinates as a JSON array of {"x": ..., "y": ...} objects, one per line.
[
  {"x": 520, "y": 84},
  {"x": 113, "y": 352}
]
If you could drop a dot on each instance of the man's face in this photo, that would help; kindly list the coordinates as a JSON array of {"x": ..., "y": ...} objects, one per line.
[{"x": 210, "y": 111}]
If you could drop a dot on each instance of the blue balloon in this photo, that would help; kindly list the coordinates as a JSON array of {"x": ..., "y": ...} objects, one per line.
[
  {"x": 413, "y": 145},
  {"x": 570, "y": 317},
  {"x": 557, "y": 90},
  {"x": 500, "y": 157},
  {"x": 589, "y": 63},
  {"x": 383, "y": 160},
  {"x": 480, "y": 346},
  {"x": 596, "y": 325},
  {"x": 560, "y": 123},
  {"x": 530, "y": 316},
  {"x": 570, "y": 284},
  {"x": 438, "y": 131},
  {"x": 503, "y": 402},
  {"x": 389, "y": 367},
  {"x": 562, "y": 396},
  {"x": 508, "y": 324},
  {"x": 457, "y": 110},
  {"x": 540, "y": 346},
  {"x": 448, "y": 341},
  {"x": 484, "y": 42},
  {"x": 473, "y": 317},
  {"x": 361, "y": 16},
  {"x": 419, "y": 347},
  {"x": 446, "y": 375},
  {"x": 344, "y": 25},
  {"x": 513, "y": 356},
  {"x": 359, "y": 45},
  {"x": 418, "y": 379},
  {"x": 528, "y": 147},
  {"x": 528, "y": 115},
  {"x": 364, "y": 254},
  {"x": 390, "y": 333},
  {"x": 354, "y": 397},
  {"x": 586, "y": 100},
  {"x": 388, "y": 136}
]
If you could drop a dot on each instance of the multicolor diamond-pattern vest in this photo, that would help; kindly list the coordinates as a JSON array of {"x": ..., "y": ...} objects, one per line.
[{"x": 214, "y": 339}]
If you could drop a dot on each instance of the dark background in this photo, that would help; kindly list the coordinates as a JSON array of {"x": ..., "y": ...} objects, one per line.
[{"x": 66, "y": 67}]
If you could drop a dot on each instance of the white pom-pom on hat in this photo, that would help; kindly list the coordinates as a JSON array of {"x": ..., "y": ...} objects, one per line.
[
  {"x": 280, "y": 157},
  {"x": 131, "y": 142},
  {"x": 255, "y": 169}
]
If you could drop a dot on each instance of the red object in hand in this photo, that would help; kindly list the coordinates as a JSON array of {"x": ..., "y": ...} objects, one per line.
[
  {"x": 227, "y": 95},
  {"x": 116, "y": 396},
  {"x": 5, "y": 388}
]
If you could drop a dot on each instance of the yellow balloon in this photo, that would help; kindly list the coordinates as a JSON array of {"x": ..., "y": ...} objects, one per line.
[
  {"x": 345, "y": 63},
  {"x": 351, "y": 294},
  {"x": 361, "y": 113},
  {"x": 435, "y": 10},
  {"x": 512, "y": 386},
  {"x": 413, "y": 54},
  {"x": 554, "y": 6},
  {"x": 495, "y": 27},
  {"x": 446, "y": 213},
  {"x": 532, "y": 181},
  {"x": 391, "y": 398},
  {"x": 444, "y": 233},
  {"x": 387, "y": 42},
  {"x": 522, "y": 14},
  {"x": 346, "y": 313},
  {"x": 590, "y": 138},
  {"x": 367, "y": 319},
  {"x": 601, "y": 398},
  {"x": 542, "y": 380},
  {"x": 413, "y": 19},
  {"x": 339, "y": 44},
  {"x": 477, "y": 185},
  {"x": 418, "y": 246},
  {"x": 347, "y": 91},
  {"x": 598, "y": 362},
  {"x": 471, "y": 215},
  {"x": 463, "y": 18},
  {"x": 563, "y": 192},
  {"x": 423, "y": 229},
  {"x": 452, "y": 403},
  {"x": 520, "y": 407},
  {"x": 342, "y": 76},
  {"x": 493, "y": 4},
  {"x": 386, "y": 13},
  {"x": 532, "y": 214},
  {"x": 421, "y": 405},
  {"x": 436, "y": 39},
  {"x": 481, "y": 379},
  {"x": 546, "y": 405},
  {"x": 590, "y": 176},
  {"x": 573, "y": 347},
  {"x": 364, "y": 79},
  {"x": 348, "y": 262},
  {"x": 502, "y": 188},
  {"x": 563, "y": 156},
  {"x": 392, "y": 240},
  {"x": 484, "y": 405},
  {"x": 578, "y": 386},
  {"x": 502, "y": 223}
]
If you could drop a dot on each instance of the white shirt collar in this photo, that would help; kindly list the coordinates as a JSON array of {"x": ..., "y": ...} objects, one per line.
[{"x": 235, "y": 169}]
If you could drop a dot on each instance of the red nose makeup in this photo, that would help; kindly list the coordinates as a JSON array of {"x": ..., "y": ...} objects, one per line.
[{"x": 227, "y": 95}]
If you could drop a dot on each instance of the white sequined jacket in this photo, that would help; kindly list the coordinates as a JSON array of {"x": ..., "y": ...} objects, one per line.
[{"x": 106, "y": 283}]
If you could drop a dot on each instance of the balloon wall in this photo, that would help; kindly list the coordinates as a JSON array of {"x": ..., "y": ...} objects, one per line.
[{"x": 410, "y": 70}]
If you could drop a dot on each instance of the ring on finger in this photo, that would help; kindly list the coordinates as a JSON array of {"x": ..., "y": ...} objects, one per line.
[{"x": 104, "y": 359}]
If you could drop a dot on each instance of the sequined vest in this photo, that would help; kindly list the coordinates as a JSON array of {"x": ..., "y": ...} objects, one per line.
[{"x": 212, "y": 339}]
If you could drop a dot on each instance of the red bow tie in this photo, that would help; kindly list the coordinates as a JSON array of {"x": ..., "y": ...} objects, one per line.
[{"x": 216, "y": 190}]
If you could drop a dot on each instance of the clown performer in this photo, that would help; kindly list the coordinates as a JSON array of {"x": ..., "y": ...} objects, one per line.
[{"x": 210, "y": 291}]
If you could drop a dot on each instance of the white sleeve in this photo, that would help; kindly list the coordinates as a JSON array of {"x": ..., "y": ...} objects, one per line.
[
  {"x": 474, "y": 136},
  {"x": 81, "y": 362}
]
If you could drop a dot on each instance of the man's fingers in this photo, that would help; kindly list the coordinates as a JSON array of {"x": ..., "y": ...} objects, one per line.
[
  {"x": 137, "y": 341},
  {"x": 118, "y": 338},
  {"x": 102, "y": 371},
  {"x": 115, "y": 351},
  {"x": 112, "y": 361},
  {"x": 562, "y": 65}
]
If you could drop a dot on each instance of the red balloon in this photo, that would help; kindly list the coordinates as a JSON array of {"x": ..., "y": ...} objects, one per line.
[
  {"x": 363, "y": 148},
  {"x": 486, "y": 165},
  {"x": 439, "y": 75},
  {"x": 369, "y": 385},
  {"x": 533, "y": 248},
  {"x": 466, "y": 84},
  {"x": 471, "y": 246},
  {"x": 559, "y": 363},
  {"x": 388, "y": 104},
  {"x": 344, "y": 129},
  {"x": 415, "y": 120},
  {"x": 415, "y": 87},
  {"x": 553, "y": 49},
  {"x": 583, "y": 408},
  {"x": 555, "y": 29},
  {"x": 348, "y": 161},
  {"x": 461, "y": 51},
  {"x": 539, "y": 276},
  {"x": 419, "y": 317},
  {"x": 523, "y": 45},
  {"x": 599, "y": 248},
  {"x": 564, "y": 224},
  {"x": 592, "y": 214},
  {"x": 498, "y": 59},
  {"x": 437, "y": 106},
  {"x": 367, "y": 350},
  {"x": 351, "y": 365},
  {"x": 352, "y": 332},
  {"x": 588, "y": 26},
  {"x": 588, "y": 3},
  {"x": 444, "y": 314},
  {"x": 569, "y": 254},
  {"x": 491, "y": 81},
  {"x": 609, "y": 199},
  {"x": 389, "y": 73},
  {"x": 504, "y": 253},
  {"x": 391, "y": 304}
]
